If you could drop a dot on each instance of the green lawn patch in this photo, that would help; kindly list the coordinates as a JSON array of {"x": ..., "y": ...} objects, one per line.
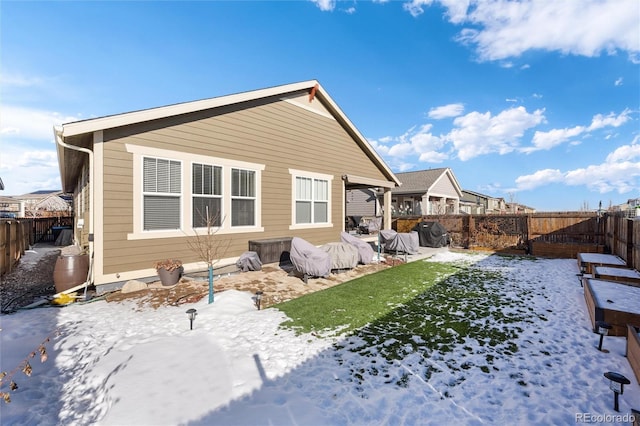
[
  {"x": 358, "y": 302},
  {"x": 421, "y": 308}
]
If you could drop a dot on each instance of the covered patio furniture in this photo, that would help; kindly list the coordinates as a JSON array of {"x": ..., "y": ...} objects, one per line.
[
  {"x": 249, "y": 261},
  {"x": 343, "y": 255},
  {"x": 393, "y": 241},
  {"x": 431, "y": 234},
  {"x": 309, "y": 260},
  {"x": 365, "y": 251}
]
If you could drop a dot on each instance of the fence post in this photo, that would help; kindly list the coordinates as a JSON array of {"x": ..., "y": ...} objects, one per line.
[
  {"x": 466, "y": 231},
  {"x": 6, "y": 256},
  {"x": 10, "y": 244}
]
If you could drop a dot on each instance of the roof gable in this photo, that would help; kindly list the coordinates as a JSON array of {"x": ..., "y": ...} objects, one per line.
[
  {"x": 423, "y": 181},
  {"x": 308, "y": 94}
]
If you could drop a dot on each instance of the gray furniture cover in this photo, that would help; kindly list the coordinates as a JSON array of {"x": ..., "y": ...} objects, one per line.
[
  {"x": 309, "y": 259},
  {"x": 400, "y": 242},
  {"x": 365, "y": 251},
  {"x": 249, "y": 261},
  {"x": 343, "y": 255},
  {"x": 431, "y": 234}
]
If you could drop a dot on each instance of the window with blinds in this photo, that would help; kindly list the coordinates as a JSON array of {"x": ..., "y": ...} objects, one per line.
[
  {"x": 312, "y": 200},
  {"x": 162, "y": 190},
  {"x": 206, "y": 191},
  {"x": 243, "y": 197}
]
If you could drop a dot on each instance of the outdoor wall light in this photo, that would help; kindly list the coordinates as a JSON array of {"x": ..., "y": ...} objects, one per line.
[
  {"x": 192, "y": 315},
  {"x": 602, "y": 328},
  {"x": 258, "y": 298},
  {"x": 616, "y": 384}
]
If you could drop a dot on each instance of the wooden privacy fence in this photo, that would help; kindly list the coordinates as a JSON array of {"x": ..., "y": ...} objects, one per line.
[
  {"x": 623, "y": 236},
  {"x": 15, "y": 238},
  {"x": 556, "y": 234},
  {"x": 16, "y": 235}
]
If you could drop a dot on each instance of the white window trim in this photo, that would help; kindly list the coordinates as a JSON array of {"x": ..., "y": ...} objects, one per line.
[
  {"x": 240, "y": 197},
  {"x": 221, "y": 197},
  {"x": 180, "y": 196},
  {"x": 186, "y": 228},
  {"x": 309, "y": 175}
]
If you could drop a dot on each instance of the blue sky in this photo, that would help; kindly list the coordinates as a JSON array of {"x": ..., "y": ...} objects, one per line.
[{"x": 534, "y": 101}]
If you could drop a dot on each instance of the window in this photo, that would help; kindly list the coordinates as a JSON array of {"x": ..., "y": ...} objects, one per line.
[
  {"x": 243, "y": 197},
  {"x": 174, "y": 190},
  {"x": 311, "y": 200},
  {"x": 161, "y": 193},
  {"x": 206, "y": 189}
]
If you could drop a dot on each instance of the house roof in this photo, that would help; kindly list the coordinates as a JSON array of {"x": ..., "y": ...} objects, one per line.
[
  {"x": 421, "y": 181},
  {"x": 84, "y": 128},
  {"x": 38, "y": 195},
  {"x": 471, "y": 196}
]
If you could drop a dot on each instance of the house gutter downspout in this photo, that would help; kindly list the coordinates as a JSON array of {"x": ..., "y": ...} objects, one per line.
[{"x": 58, "y": 136}]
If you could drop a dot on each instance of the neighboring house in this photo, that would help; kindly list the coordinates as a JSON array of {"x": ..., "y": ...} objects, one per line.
[
  {"x": 476, "y": 203},
  {"x": 45, "y": 203},
  {"x": 515, "y": 208},
  {"x": 9, "y": 207},
  {"x": 631, "y": 208},
  {"x": 426, "y": 192},
  {"x": 266, "y": 164}
]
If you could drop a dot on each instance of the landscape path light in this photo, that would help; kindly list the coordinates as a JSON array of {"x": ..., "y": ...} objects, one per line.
[
  {"x": 602, "y": 328},
  {"x": 192, "y": 315},
  {"x": 616, "y": 384},
  {"x": 258, "y": 298}
]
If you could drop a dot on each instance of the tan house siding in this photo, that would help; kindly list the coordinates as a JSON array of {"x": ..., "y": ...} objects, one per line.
[
  {"x": 280, "y": 135},
  {"x": 443, "y": 186}
]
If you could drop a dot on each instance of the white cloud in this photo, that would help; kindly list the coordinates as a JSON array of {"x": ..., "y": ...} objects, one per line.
[
  {"x": 416, "y": 141},
  {"x": 29, "y": 123},
  {"x": 325, "y": 5},
  {"x": 456, "y": 10},
  {"x": 433, "y": 157},
  {"x": 625, "y": 152},
  {"x": 618, "y": 82},
  {"x": 401, "y": 150},
  {"x": 25, "y": 169},
  {"x": 403, "y": 167},
  {"x": 446, "y": 111},
  {"x": 619, "y": 176},
  {"x": 599, "y": 121},
  {"x": 474, "y": 134},
  {"x": 618, "y": 173},
  {"x": 8, "y": 79},
  {"x": 549, "y": 139},
  {"x": 477, "y": 134},
  {"x": 539, "y": 178},
  {"x": 554, "y": 137},
  {"x": 415, "y": 7},
  {"x": 379, "y": 146},
  {"x": 424, "y": 140},
  {"x": 579, "y": 27}
]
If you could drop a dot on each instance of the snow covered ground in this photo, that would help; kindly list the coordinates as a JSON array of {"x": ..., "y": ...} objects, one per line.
[{"x": 113, "y": 364}]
